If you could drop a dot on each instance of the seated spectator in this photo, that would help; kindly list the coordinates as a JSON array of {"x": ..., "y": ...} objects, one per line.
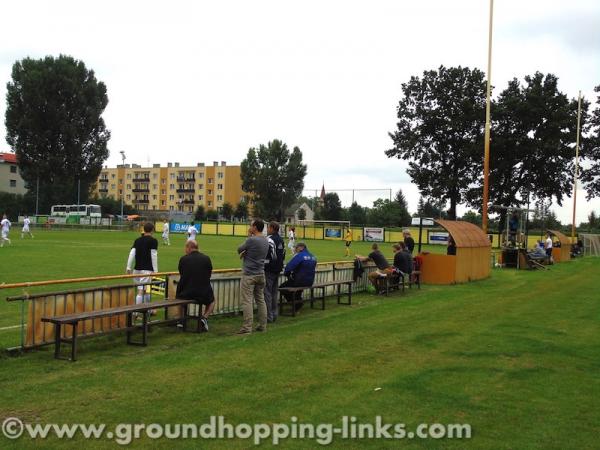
[
  {"x": 300, "y": 272},
  {"x": 195, "y": 270},
  {"x": 538, "y": 252},
  {"x": 451, "y": 249},
  {"x": 383, "y": 266},
  {"x": 403, "y": 261}
]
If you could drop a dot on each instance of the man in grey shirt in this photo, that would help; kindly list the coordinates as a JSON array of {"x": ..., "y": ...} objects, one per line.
[{"x": 252, "y": 285}]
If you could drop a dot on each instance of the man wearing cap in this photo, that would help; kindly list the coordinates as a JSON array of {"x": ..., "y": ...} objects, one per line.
[{"x": 300, "y": 272}]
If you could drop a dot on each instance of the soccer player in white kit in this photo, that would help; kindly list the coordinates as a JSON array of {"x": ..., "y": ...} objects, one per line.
[
  {"x": 165, "y": 233},
  {"x": 292, "y": 239},
  {"x": 192, "y": 232},
  {"x": 25, "y": 230},
  {"x": 5, "y": 225}
]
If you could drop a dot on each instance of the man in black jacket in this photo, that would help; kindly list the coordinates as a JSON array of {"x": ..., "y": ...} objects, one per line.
[
  {"x": 195, "y": 269},
  {"x": 273, "y": 266}
]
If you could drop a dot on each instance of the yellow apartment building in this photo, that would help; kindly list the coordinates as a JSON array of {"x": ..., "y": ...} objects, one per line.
[{"x": 172, "y": 188}]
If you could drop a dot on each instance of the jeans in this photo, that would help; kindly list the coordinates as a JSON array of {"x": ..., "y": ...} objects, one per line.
[{"x": 271, "y": 281}]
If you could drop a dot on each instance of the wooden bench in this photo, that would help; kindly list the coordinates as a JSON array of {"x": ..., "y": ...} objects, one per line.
[
  {"x": 143, "y": 308},
  {"x": 312, "y": 298},
  {"x": 389, "y": 282}
]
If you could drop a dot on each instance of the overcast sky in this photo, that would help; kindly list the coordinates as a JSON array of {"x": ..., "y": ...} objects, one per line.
[{"x": 195, "y": 81}]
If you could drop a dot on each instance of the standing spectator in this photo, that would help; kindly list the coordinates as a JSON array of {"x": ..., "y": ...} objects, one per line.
[
  {"x": 292, "y": 238},
  {"x": 383, "y": 266},
  {"x": 408, "y": 240},
  {"x": 451, "y": 249},
  {"x": 253, "y": 252},
  {"x": 192, "y": 232},
  {"x": 143, "y": 260},
  {"x": 195, "y": 270},
  {"x": 165, "y": 233},
  {"x": 5, "y": 224},
  {"x": 549, "y": 246},
  {"x": 26, "y": 230},
  {"x": 273, "y": 266},
  {"x": 300, "y": 272}
]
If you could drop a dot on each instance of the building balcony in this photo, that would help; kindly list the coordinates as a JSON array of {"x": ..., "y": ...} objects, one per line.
[
  {"x": 185, "y": 180},
  {"x": 141, "y": 201},
  {"x": 103, "y": 190},
  {"x": 141, "y": 180},
  {"x": 187, "y": 201},
  {"x": 141, "y": 190},
  {"x": 186, "y": 190}
]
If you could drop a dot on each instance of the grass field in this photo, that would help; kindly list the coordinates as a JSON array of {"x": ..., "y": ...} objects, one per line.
[{"x": 516, "y": 356}]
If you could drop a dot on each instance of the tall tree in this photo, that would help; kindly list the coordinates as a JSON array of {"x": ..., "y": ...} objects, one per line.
[
  {"x": 332, "y": 207},
  {"x": 431, "y": 208},
  {"x": 54, "y": 124},
  {"x": 591, "y": 174},
  {"x": 404, "y": 218},
  {"x": 387, "y": 213},
  {"x": 357, "y": 214},
  {"x": 440, "y": 131},
  {"x": 200, "y": 213},
  {"x": 227, "y": 210},
  {"x": 241, "y": 210},
  {"x": 534, "y": 131},
  {"x": 275, "y": 176}
]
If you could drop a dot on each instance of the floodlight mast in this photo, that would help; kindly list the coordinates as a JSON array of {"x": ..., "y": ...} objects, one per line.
[
  {"x": 486, "y": 154},
  {"x": 576, "y": 168},
  {"x": 122, "y": 184}
]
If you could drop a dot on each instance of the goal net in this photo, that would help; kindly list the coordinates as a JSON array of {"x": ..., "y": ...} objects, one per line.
[{"x": 591, "y": 244}]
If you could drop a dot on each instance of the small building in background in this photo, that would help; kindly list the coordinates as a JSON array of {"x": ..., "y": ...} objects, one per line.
[
  {"x": 293, "y": 214},
  {"x": 10, "y": 177}
]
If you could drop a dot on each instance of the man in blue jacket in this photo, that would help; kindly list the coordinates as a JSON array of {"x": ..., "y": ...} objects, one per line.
[{"x": 300, "y": 272}]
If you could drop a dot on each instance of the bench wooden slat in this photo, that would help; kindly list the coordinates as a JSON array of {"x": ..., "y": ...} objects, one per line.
[{"x": 76, "y": 317}]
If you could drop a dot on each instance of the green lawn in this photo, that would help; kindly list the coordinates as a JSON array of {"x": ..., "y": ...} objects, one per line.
[{"x": 516, "y": 356}]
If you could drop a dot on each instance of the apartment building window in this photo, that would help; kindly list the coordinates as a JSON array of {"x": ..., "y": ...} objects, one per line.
[
  {"x": 128, "y": 197},
  {"x": 113, "y": 176},
  {"x": 209, "y": 203},
  {"x": 163, "y": 203},
  {"x": 129, "y": 176},
  {"x": 220, "y": 175},
  {"x": 163, "y": 181},
  {"x": 219, "y": 198},
  {"x": 120, "y": 180},
  {"x": 171, "y": 197},
  {"x": 200, "y": 186},
  {"x": 154, "y": 197},
  {"x": 163, "y": 192},
  {"x": 171, "y": 208},
  {"x": 155, "y": 186},
  {"x": 154, "y": 176},
  {"x": 171, "y": 186},
  {"x": 13, "y": 183},
  {"x": 112, "y": 186},
  {"x": 220, "y": 186},
  {"x": 13, "y": 169},
  {"x": 128, "y": 186},
  {"x": 200, "y": 197},
  {"x": 172, "y": 176},
  {"x": 201, "y": 175},
  {"x": 120, "y": 191},
  {"x": 210, "y": 180},
  {"x": 210, "y": 192}
]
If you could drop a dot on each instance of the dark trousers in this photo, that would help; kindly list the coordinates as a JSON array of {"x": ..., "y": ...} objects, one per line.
[
  {"x": 271, "y": 281},
  {"x": 289, "y": 295}
]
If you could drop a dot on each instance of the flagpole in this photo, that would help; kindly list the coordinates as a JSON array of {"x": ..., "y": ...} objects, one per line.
[
  {"x": 576, "y": 168},
  {"x": 486, "y": 155}
]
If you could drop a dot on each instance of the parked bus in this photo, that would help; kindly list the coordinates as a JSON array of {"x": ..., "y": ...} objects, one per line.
[{"x": 75, "y": 210}]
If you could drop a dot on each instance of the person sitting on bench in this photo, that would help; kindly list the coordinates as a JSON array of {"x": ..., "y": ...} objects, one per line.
[
  {"x": 195, "y": 270},
  {"x": 403, "y": 262},
  {"x": 300, "y": 272},
  {"x": 538, "y": 252},
  {"x": 383, "y": 266}
]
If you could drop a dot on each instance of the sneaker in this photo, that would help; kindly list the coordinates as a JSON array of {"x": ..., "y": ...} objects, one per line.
[
  {"x": 204, "y": 323},
  {"x": 244, "y": 331}
]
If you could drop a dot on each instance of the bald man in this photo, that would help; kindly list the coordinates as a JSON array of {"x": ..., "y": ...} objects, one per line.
[{"x": 195, "y": 270}]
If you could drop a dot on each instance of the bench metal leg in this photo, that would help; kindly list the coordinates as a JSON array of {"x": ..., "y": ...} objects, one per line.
[
  {"x": 145, "y": 329},
  {"x": 129, "y": 324},
  {"x": 312, "y": 298},
  {"x": 74, "y": 343},
  {"x": 339, "y": 287},
  {"x": 57, "y": 340}
]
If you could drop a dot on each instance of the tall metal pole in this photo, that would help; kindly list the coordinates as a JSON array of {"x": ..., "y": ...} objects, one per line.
[
  {"x": 576, "y": 168},
  {"x": 486, "y": 157},
  {"x": 78, "y": 190},
  {"x": 37, "y": 196},
  {"x": 123, "y": 184}
]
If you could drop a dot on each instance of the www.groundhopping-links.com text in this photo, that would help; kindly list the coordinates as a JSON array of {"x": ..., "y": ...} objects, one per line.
[{"x": 218, "y": 428}]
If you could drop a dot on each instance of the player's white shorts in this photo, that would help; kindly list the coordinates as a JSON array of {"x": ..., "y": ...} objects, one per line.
[
  {"x": 26, "y": 229},
  {"x": 141, "y": 280},
  {"x": 192, "y": 238},
  {"x": 4, "y": 234}
]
